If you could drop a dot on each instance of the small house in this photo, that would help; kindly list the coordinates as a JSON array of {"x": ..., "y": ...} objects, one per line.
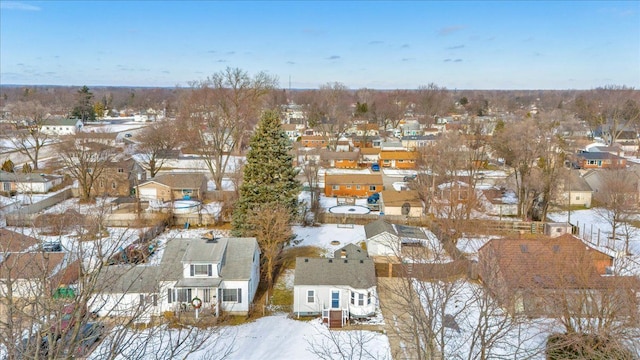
[
  {"x": 61, "y": 126},
  {"x": 174, "y": 186},
  {"x": 404, "y": 203},
  {"x": 337, "y": 288}
]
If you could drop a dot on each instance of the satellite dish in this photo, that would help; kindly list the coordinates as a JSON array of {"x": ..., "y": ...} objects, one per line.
[{"x": 406, "y": 207}]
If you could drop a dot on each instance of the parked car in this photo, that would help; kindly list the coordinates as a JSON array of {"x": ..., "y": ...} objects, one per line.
[
  {"x": 51, "y": 246},
  {"x": 373, "y": 199},
  {"x": 88, "y": 335},
  {"x": 375, "y": 167},
  {"x": 409, "y": 178},
  {"x": 67, "y": 319},
  {"x": 32, "y": 347}
]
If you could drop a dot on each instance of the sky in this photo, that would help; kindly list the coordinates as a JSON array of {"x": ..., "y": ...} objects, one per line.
[{"x": 305, "y": 44}]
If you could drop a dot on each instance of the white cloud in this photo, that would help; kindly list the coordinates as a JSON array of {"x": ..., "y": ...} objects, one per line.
[{"x": 15, "y": 5}]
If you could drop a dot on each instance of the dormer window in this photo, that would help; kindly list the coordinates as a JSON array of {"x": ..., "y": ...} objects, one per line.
[{"x": 201, "y": 270}]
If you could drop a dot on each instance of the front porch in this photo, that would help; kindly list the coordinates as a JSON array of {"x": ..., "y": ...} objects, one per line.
[{"x": 335, "y": 318}]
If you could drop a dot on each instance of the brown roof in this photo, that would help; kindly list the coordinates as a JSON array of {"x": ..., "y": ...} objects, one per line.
[
  {"x": 398, "y": 198},
  {"x": 398, "y": 155},
  {"x": 14, "y": 242},
  {"x": 560, "y": 262},
  {"x": 370, "y": 151},
  {"x": 357, "y": 179},
  {"x": 339, "y": 155},
  {"x": 182, "y": 181},
  {"x": 32, "y": 265}
]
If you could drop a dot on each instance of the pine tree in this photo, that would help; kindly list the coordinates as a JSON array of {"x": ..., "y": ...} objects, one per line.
[
  {"x": 269, "y": 176},
  {"x": 8, "y": 166}
]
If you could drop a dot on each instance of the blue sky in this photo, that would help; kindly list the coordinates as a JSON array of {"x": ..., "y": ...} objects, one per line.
[{"x": 374, "y": 44}]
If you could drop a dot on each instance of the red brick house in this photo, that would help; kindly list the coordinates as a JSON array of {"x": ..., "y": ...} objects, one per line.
[
  {"x": 352, "y": 185},
  {"x": 315, "y": 141},
  {"x": 600, "y": 160}
]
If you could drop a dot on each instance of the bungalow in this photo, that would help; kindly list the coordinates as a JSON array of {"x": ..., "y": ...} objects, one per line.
[
  {"x": 404, "y": 203},
  {"x": 340, "y": 159},
  {"x": 337, "y": 288},
  {"x": 398, "y": 159},
  {"x": 352, "y": 185},
  {"x": 173, "y": 186},
  {"x": 211, "y": 274},
  {"x": 551, "y": 276},
  {"x": 61, "y": 126},
  {"x": 292, "y": 131},
  {"x": 574, "y": 190},
  {"x": 596, "y": 160},
  {"x": 28, "y": 183},
  {"x": 385, "y": 239}
]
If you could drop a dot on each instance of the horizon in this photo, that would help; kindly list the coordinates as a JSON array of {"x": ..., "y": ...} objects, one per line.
[{"x": 459, "y": 45}]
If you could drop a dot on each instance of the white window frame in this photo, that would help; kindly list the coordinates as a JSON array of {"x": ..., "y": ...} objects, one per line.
[{"x": 311, "y": 296}]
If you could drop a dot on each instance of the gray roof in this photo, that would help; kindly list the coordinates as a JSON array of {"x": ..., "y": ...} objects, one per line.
[
  {"x": 412, "y": 232},
  {"x": 180, "y": 180},
  {"x": 204, "y": 251},
  {"x": 26, "y": 178},
  {"x": 237, "y": 265},
  {"x": 60, "y": 122},
  {"x": 121, "y": 279},
  {"x": 351, "y": 252},
  {"x": 358, "y": 274},
  {"x": 378, "y": 227}
]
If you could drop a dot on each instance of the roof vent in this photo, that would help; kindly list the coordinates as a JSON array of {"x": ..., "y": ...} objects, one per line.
[
  {"x": 361, "y": 261},
  {"x": 330, "y": 260},
  {"x": 306, "y": 260},
  {"x": 346, "y": 261},
  {"x": 524, "y": 248}
]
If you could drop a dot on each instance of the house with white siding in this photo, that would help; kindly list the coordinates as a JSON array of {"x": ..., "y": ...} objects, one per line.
[
  {"x": 337, "y": 288},
  {"x": 213, "y": 275}
]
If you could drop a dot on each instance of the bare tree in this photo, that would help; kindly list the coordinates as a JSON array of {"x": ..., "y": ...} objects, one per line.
[
  {"x": 617, "y": 198},
  {"x": 85, "y": 161},
  {"x": 29, "y": 139},
  {"x": 346, "y": 345},
  {"x": 154, "y": 143},
  {"x": 330, "y": 112},
  {"x": 432, "y": 101},
  {"x": 217, "y": 113},
  {"x": 270, "y": 224}
]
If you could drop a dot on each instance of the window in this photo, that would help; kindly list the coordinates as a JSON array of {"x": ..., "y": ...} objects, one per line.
[
  {"x": 311, "y": 296},
  {"x": 372, "y": 187},
  {"x": 369, "y": 298},
  {"x": 206, "y": 295},
  {"x": 113, "y": 184},
  {"x": 335, "y": 187},
  {"x": 335, "y": 299},
  {"x": 201, "y": 270},
  {"x": 358, "y": 187},
  {"x": 120, "y": 170},
  {"x": 348, "y": 186},
  {"x": 232, "y": 295},
  {"x": 353, "y": 298},
  {"x": 183, "y": 295},
  {"x": 7, "y": 186},
  {"x": 360, "y": 299}
]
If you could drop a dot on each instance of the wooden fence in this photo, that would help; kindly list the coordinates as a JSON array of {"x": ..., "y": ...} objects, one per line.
[{"x": 425, "y": 271}]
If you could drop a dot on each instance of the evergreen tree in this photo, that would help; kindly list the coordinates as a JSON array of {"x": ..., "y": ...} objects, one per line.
[
  {"x": 84, "y": 108},
  {"x": 269, "y": 176}
]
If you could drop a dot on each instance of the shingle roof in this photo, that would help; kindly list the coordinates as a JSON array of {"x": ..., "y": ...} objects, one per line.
[
  {"x": 543, "y": 262},
  {"x": 120, "y": 279},
  {"x": 32, "y": 265},
  {"x": 378, "y": 227},
  {"x": 398, "y": 155},
  {"x": 352, "y": 252},
  {"x": 398, "y": 198},
  {"x": 11, "y": 241},
  {"x": 354, "y": 179},
  {"x": 182, "y": 181},
  {"x": 240, "y": 253},
  {"x": 358, "y": 274}
]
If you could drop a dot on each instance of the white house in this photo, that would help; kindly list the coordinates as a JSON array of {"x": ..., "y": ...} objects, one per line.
[
  {"x": 61, "y": 126},
  {"x": 404, "y": 203},
  {"x": 385, "y": 239},
  {"x": 337, "y": 288},
  {"x": 220, "y": 274},
  {"x": 28, "y": 183}
]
